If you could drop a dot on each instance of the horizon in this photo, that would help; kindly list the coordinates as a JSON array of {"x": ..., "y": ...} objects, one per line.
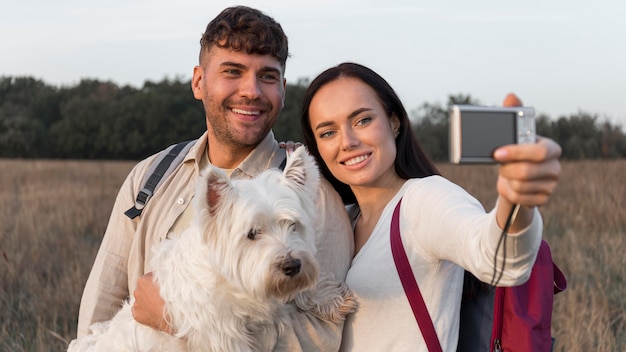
[{"x": 410, "y": 109}]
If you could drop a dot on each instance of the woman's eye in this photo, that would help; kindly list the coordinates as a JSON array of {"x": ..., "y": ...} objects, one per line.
[
  {"x": 363, "y": 121},
  {"x": 326, "y": 134}
]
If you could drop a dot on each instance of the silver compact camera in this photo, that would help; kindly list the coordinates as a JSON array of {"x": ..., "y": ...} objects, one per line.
[{"x": 476, "y": 131}]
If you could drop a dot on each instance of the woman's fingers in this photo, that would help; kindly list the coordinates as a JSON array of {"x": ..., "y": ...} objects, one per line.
[{"x": 529, "y": 174}]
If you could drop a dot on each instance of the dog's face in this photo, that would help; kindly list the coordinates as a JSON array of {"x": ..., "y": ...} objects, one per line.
[{"x": 261, "y": 230}]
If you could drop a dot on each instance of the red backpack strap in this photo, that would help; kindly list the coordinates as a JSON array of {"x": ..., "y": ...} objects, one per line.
[
  {"x": 560, "y": 282},
  {"x": 495, "y": 345},
  {"x": 409, "y": 284}
]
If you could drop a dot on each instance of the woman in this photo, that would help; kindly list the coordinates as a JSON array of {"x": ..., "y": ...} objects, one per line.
[{"x": 359, "y": 132}]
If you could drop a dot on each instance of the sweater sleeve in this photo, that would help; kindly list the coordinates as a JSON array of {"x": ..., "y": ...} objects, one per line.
[{"x": 455, "y": 227}]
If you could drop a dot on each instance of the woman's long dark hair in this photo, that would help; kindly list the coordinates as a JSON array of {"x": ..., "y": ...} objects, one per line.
[{"x": 411, "y": 161}]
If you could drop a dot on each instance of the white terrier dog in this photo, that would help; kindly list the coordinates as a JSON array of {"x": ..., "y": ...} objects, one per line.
[{"x": 227, "y": 279}]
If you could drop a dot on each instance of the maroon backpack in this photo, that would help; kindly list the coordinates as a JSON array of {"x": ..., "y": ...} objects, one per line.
[
  {"x": 523, "y": 314},
  {"x": 514, "y": 319}
]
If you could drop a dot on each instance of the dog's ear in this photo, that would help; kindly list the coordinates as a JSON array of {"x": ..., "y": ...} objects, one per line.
[
  {"x": 302, "y": 172},
  {"x": 215, "y": 186}
]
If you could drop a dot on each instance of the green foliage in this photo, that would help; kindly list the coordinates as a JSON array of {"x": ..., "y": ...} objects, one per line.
[
  {"x": 580, "y": 135},
  {"x": 430, "y": 125},
  {"x": 100, "y": 120},
  {"x": 27, "y": 108},
  {"x": 95, "y": 119},
  {"x": 287, "y": 127}
]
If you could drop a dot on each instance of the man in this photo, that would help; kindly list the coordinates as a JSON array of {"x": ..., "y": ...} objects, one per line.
[{"x": 240, "y": 80}]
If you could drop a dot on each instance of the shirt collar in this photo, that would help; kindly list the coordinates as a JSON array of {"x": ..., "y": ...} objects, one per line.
[{"x": 266, "y": 155}]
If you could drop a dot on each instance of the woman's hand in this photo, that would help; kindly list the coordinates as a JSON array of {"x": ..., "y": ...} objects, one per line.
[
  {"x": 149, "y": 307},
  {"x": 289, "y": 146},
  {"x": 528, "y": 175}
]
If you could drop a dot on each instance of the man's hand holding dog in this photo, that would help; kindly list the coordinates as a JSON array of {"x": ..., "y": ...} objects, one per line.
[{"x": 149, "y": 308}]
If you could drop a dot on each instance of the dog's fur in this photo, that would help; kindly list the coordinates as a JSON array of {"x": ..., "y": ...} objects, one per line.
[{"x": 227, "y": 279}]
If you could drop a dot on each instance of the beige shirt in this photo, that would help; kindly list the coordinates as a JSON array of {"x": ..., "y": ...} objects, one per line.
[{"x": 127, "y": 246}]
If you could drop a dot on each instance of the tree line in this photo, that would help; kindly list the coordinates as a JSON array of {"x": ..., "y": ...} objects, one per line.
[{"x": 96, "y": 119}]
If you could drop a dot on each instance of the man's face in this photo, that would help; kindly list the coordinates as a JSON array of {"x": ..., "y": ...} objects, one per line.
[{"x": 242, "y": 96}]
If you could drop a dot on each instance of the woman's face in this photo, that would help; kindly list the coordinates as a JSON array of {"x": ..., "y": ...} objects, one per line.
[{"x": 354, "y": 135}]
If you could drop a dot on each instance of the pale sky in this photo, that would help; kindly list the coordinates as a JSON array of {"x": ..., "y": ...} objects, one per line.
[{"x": 559, "y": 56}]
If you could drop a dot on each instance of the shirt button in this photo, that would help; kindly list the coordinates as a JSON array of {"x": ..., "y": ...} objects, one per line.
[{"x": 180, "y": 201}]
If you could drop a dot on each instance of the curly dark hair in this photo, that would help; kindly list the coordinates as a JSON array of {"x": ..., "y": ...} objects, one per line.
[{"x": 242, "y": 28}]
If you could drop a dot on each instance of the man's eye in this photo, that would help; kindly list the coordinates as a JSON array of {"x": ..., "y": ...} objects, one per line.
[{"x": 269, "y": 77}]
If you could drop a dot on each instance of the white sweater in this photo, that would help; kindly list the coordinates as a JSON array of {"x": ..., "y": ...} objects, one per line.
[{"x": 444, "y": 230}]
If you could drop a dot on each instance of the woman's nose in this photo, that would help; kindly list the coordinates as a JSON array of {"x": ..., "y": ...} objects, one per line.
[{"x": 348, "y": 140}]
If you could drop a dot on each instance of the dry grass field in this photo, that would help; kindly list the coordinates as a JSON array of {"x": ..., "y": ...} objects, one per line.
[{"x": 53, "y": 214}]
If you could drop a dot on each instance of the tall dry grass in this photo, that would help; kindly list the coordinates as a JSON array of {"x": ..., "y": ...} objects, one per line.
[
  {"x": 52, "y": 217},
  {"x": 585, "y": 224},
  {"x": 53, "y": 214}
]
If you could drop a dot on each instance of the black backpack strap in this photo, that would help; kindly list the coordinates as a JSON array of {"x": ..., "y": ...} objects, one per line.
[{"x": 168, "y": 163}]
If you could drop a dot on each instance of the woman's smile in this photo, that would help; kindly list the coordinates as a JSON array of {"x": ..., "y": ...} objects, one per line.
[{"x": 356, "y": 160}]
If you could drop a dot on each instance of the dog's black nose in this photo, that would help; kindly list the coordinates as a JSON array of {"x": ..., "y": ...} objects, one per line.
[{"x": 291, "y": 267}]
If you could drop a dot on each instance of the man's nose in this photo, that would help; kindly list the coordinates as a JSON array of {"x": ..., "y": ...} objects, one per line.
[{"x": 250, "y": 87}]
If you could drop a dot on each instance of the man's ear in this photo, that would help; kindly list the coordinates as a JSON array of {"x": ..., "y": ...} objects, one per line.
[
  {"x": 282, "y": 105},
  {"x": 196, "y": 82}
]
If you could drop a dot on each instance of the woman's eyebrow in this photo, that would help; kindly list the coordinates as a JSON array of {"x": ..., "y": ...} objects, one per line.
[{"x": 351, "y": 116}]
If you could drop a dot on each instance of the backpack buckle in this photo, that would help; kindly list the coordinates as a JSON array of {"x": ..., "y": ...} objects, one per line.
[{"x": 142, "y": 198}]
